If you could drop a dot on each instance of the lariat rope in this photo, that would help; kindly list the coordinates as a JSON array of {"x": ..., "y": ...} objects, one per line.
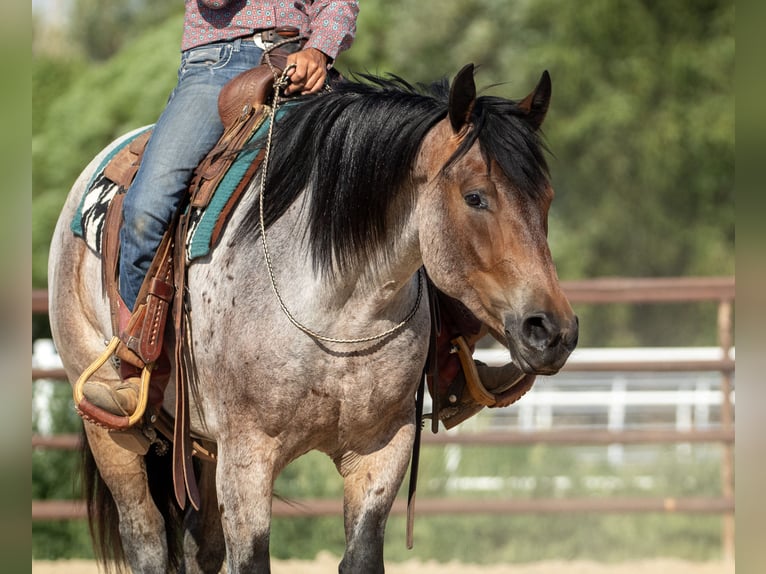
[{"x": 278, "y": 84}]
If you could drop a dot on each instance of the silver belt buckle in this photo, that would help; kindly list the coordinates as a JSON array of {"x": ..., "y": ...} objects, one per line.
[{"x": 258, "y": 41}]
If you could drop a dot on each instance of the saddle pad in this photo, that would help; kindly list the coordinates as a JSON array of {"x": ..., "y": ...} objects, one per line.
[
  {"x": 203, "y": 221},
  {"x": 88, "y": 221}
]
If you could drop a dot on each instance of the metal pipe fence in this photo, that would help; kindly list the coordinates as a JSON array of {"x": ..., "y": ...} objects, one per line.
[{"x": 598, "y": 291}]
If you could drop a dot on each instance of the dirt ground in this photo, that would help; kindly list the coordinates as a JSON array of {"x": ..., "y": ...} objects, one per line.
[{"x": 326, "y": 563}]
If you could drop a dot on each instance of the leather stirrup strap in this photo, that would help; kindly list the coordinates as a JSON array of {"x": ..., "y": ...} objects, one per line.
[
  {"x": 110, "y": 255},
  {"x": 429, "y": 369},
  {"x": 157, "y": 292},
  {"x": 415, "y": 463},
  {"x": 433, "y": 357},
  {"x": 184, "y": 480}
]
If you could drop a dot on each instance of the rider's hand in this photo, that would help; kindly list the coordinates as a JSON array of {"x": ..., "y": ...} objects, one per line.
[{"x": 309, "y": 73}]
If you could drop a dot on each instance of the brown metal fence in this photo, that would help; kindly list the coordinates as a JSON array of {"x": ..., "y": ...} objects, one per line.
[{"x": 599, "y": 291}]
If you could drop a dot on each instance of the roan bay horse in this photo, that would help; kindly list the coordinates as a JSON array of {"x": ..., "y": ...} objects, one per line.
[{"x": 367, "y": 184}]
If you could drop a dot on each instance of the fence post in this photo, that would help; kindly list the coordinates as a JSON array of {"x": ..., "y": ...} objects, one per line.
[{"x": 727, "y": 423}]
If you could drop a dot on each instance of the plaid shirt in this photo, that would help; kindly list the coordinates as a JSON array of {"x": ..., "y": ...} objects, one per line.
[{"x": 329, "y": 24}]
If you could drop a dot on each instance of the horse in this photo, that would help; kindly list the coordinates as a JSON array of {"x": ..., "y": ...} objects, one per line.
[{"x": 321, "y": 345}]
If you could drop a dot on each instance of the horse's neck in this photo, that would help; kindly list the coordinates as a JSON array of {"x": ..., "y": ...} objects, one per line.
[{"x": 383, "y": 288}]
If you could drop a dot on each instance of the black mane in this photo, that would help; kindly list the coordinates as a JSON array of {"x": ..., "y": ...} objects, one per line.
[{"x": 353, "y": 149}]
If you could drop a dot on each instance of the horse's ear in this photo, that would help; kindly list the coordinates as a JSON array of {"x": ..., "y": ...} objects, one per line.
[
  {"x": 535, "y": 105},
  {"x": 462, "y": 96}
]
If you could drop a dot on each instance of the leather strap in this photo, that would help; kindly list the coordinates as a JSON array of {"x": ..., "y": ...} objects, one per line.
[
  {"x": 272, "y": 35},
  {"x": 145, "y": 331},
  {"x": 159, "y": 296},
  {"x": 184, "y": 479},
  {"x": 478, "y": 391},
  {"x": 123, "y": 167},
  {"x": 201, "y": 447},
  {"x": 430, "y": 369},
  {"x": 415, "y": 462},
  {"x": 110, "y": 254}
]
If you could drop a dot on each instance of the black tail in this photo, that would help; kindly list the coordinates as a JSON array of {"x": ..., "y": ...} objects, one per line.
[{"x": 103, "y": 519}]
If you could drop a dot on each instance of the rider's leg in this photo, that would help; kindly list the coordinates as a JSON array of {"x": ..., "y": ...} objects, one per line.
[{"x": 185, "y": 132}]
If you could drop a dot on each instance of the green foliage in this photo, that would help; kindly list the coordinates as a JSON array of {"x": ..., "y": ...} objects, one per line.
[
  {"x": 525, "y": 538},
  {"x": 89, "y": 111},
  {"x": 541, "y": 470},
  {"x": 101, "y": 27},
  {"x": 311, "y": 476},
  {"x": 55, "y": 540},
  {"x": 55, "y": 476},
  {"x": 51, "y": 77},
  {"x": 527, "y": 472},
  {"x": 645, "y": 123},
  {"x": 641, "y": 124},
  {"x": 641, "y": 127},
  {"x": 643, "y": 134},
  {"x": 105, "y": 102}
]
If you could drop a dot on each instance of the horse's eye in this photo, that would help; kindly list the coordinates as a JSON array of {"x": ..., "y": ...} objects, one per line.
[{"x": 475, "y": 199}]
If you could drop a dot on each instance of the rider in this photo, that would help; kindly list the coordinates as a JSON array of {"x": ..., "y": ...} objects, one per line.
[{"x": 221, "y": 39}]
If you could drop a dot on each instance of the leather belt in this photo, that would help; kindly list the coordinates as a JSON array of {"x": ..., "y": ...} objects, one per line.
[
  {"x": 272, "y": 35},
  {"x": 265, "y": 38}
]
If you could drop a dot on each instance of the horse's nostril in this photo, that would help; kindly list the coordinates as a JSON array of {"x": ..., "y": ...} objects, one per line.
[
  {"x": 571, "y": 338},
  {"x": 537, "y": 332}
]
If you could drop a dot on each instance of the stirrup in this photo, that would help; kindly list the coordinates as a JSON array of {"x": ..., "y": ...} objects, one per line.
[
  {"x": 99, "y": 416},
  {"x": 473, "y": 383}
]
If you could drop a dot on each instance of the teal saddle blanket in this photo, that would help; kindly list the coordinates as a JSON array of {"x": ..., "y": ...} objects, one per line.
[{"x": 88, "y": 221}]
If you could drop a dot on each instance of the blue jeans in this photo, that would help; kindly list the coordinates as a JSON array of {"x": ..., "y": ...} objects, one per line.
[{"x": 186, "y": 131}]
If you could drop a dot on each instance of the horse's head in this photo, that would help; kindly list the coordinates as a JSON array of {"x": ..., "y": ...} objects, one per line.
[{"x": 484, "y": 221}]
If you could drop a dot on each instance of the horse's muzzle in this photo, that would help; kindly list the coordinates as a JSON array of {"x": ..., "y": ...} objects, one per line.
[{"x": 541, "y": 342}]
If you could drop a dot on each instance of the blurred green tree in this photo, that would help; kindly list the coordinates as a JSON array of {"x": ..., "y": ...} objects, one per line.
[
  {"x": 96, "y": 106},
  {"x": 102, "y": 27},
  {"x": 641, "y": 125}
]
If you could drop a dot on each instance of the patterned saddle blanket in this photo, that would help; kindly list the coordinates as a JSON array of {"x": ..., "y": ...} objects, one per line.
[{"x": 89, "y": 219}]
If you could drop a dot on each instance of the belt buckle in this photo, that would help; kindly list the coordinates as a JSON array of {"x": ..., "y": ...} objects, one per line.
[
  {"x": 269, "y": 36},
  {"x": 260, "y": 41}
]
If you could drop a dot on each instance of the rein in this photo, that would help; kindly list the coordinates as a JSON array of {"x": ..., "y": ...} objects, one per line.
[{"x": 278, "y": 84}]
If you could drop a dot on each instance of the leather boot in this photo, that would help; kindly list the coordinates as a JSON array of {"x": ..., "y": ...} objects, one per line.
[
  {"x": 505, "y": 384},
  {"x": 508, "y": 383},
  {"x": 121, "y": 398}
]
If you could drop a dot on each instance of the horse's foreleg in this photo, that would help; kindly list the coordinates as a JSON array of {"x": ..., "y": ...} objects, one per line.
[
  {"x": 204, "y": 547},
  {"x": 371, "y": 482},
  {"x": 245, "y": 483},
  {"x": 141, "y": 526}
]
